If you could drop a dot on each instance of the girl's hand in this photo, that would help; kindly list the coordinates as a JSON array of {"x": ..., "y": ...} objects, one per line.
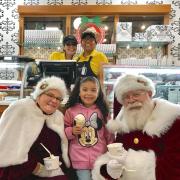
[{"x": 76, "y": 130}]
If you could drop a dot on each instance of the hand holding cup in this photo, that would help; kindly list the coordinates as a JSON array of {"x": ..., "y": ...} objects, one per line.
[
  {"x": 117, "y": 151},
  {"x": 51, "y": 162}
]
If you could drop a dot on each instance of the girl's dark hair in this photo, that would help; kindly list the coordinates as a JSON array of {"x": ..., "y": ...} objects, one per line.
[{"x": 100, "y": 101}]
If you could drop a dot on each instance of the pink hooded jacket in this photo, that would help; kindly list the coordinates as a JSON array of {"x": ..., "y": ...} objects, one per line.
[{"x": 85, "y": 148}]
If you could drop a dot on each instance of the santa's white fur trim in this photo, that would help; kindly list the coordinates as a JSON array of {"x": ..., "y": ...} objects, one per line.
[
  {"x": 50, "y": 83},
  {"x": 103, "y": 159},
  {"x": 161, "y": 119},
  {"x": 129, "y": 82},
  {"x": 141, "y": 162}
]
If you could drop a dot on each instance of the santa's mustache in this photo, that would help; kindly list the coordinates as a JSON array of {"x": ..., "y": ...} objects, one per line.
[{"x": 134, "y": 105}]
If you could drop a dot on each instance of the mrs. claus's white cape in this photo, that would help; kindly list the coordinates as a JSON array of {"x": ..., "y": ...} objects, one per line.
[{"x": 20, "y": 125}]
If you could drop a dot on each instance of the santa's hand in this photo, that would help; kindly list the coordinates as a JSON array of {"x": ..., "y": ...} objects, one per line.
[
  {"x": 114, "y": 169},
  {"x": 42, "y": 172},
  {"x": 121, "y": 158}
]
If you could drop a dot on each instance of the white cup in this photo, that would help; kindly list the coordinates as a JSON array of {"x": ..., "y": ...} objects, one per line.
[
  {"x": 51, "y": 162},
  {"x": 115, "y": 149}
]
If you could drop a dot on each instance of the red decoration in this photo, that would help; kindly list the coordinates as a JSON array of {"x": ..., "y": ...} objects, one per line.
[{"x": 99, "y": 31}]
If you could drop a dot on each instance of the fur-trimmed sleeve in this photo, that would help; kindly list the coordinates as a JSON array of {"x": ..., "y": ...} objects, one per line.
[
  {"x": 141, "y": 162},
  {"x": 139, "y": 165},
  {"x": 101, "y": 160},
  {"x": 56, "y": 123},
  {"x": 16, "y": 135}
]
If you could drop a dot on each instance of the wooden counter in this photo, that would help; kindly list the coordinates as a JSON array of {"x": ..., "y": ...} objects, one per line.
[
  {"x": 2, "y": 108},
  {"x": 3, "y": 105}
]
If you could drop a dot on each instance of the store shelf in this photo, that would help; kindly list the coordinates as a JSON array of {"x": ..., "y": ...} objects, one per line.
[
  {"x": 10, "y": 82},
  {"x": 42, "y": 45},
  {"x": 43, "y": 38},
  {"x": 140, "y": 44}
]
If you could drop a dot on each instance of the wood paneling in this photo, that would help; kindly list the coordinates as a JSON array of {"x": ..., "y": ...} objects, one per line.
[{"x": 93, "y": 10}]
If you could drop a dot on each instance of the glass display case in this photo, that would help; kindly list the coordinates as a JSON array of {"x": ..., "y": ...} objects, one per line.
[
  {"x": 166, "y": 79},
  {"x": 10, "y": 81}
]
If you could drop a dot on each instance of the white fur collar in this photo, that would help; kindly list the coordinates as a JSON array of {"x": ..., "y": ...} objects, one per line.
[
  {"x": 163, "y": 116},
  {"x": 56, "y": 123},
  {"x": 20, "y": 125}
]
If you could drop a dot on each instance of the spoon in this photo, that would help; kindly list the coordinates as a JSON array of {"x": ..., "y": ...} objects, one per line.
[{"x": 51, "y": 155}]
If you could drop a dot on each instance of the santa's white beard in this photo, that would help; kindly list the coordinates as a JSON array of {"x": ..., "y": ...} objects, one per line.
[{"x": 137, "y": 114}]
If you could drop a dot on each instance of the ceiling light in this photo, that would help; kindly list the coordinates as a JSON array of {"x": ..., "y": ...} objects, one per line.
[
  {"x": 77, "y": 22},
  {"x": 106, "y": 28},
  {"x": 143, "y": 27},
  {"x": 104, "y": 40},
  {"x": 150, "y": 47}
]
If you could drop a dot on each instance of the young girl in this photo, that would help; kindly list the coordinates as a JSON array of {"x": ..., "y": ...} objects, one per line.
[{"x": 85, "y": 119}]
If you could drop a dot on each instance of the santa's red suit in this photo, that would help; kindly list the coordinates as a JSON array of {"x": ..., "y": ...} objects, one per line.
[{"x": 154, "y": 152}]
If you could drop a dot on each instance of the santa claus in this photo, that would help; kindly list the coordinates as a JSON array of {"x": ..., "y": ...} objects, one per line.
[{"x": 148, "y": 128}]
